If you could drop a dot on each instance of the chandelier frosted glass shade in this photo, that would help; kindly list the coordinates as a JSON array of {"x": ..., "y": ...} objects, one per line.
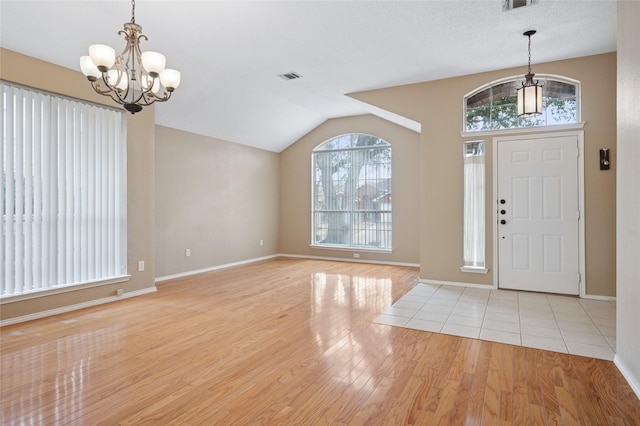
[
  {"x": 153, "y": 63},
  {"x": 134, "y": 79},
  {"x": 102, "y": 56}
]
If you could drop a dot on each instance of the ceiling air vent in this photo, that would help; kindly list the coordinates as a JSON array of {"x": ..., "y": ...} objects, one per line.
[
  {"x": 290, "y": 76},
  {"x": 515, "y": 4}
]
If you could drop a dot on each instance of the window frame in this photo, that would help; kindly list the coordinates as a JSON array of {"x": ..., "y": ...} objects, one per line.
[
  {"x": 474, "y": 205},
  {"x": 352, "y": 211},
  {"x": 536, "y": 128}
]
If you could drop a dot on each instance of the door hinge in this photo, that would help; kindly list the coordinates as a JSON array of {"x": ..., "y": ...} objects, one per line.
[
  {"x": 578, "y": 215},
  {"x": 579, "y": 278}
]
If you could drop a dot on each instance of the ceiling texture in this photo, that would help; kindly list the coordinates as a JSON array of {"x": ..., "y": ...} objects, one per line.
[{"x": 231, "y": 53}]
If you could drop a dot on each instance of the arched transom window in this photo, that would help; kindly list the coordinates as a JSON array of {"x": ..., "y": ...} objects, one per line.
[
  {"x": 352, "y": 193},
  {"x": 493, "y": 107}
]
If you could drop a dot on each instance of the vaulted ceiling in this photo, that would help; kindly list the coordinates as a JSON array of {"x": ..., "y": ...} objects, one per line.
[{"x": 231, "y": 53}]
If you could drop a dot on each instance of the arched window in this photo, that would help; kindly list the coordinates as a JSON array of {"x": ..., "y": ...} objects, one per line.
[
  {"x": 493, "y": 106},
  {"x": 352, "y": 193}
]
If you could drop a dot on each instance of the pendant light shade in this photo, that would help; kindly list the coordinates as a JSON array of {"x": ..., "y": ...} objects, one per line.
[
  {"x": 530, "y": 92},
  {"x": 529, "y": 98}
]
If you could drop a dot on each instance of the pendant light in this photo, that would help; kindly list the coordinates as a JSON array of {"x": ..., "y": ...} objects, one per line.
[{"x": 530, "y": 92}]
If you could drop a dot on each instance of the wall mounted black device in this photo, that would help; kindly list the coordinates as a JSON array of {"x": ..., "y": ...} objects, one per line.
[{"x": 604, "y": 158}]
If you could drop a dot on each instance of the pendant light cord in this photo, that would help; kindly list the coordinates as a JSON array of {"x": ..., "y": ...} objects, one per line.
[{"x": 529, "y": 54}]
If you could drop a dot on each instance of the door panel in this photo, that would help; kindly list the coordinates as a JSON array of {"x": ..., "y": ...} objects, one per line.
[{"x": 538, "y": 233}]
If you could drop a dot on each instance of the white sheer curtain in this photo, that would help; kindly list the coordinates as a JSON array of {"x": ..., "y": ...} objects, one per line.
[
  {"x": 474, "y": 196},
  {"x": 64, "y": 204}
]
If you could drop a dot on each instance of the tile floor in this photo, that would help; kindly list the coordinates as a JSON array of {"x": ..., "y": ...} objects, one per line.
[{"x": 556, "y": 323}]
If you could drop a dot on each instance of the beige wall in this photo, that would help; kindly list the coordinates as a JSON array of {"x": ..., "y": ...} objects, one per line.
[
  {"x": 628, "y": 301},
  {"x": 437, "y": 105},
  {"x": 140, "y": 139},
  {"x": 208, "y": 190},
  {"x": 295, "y": 189},
  {"x": 216, "y": 198}
]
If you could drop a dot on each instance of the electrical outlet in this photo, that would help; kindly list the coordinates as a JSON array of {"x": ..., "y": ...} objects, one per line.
[
  {"x": 261, "y": 242},
  {"x": 187, "y": 253},
  {"x": 141, "y": 266},
  {"x": 356, "y": 255},
  {"x": 119, "y": 292}
]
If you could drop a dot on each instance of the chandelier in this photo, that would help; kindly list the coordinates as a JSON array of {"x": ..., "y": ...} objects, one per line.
[
  {"x": 134, "y": 78},
  {"x": 530, "y": 93}
]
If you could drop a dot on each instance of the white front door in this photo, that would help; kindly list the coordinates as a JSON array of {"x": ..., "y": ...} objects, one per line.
[{"x": 538, "y": 227}]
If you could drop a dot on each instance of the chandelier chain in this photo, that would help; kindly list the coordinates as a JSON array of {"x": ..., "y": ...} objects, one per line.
[{"x": 133, "y": 11}]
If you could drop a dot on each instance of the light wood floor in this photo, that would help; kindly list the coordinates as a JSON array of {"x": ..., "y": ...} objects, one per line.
[{"x": 288, "y": 342}]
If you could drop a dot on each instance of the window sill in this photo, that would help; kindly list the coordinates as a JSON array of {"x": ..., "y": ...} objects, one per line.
[
  {"x": 63, "y": 289},
  {"x": 352, "y": 249},
  {"x": 474, "y": 269},
  {"x": 532, "y": 129}
]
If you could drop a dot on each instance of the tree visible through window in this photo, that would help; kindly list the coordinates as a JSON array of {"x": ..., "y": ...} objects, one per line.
[
  {"x": 352, "y": 193},
  {"x": 494, "y": 107}
]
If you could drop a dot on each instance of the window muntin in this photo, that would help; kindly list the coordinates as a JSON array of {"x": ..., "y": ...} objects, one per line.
[
  {"x": 352, "y": 193},
  {"x": 494, "y": 107},
  {"x": 64, "y": 203}
]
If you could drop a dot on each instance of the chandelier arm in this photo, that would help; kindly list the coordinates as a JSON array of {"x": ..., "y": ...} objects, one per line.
[
  {"x": 113, "y": 94},
  {"x": 146, "y": 97},
  {"x": 136, "y": 59},
  {"x": 142, "y": 99},
  {"x": 110, "y": 90},
  {"x": 99, "y": 90},
  {"x": 151, "y": 97}
]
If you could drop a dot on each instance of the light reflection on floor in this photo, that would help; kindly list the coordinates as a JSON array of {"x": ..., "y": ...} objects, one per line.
[{"x": 335, "y": 299}]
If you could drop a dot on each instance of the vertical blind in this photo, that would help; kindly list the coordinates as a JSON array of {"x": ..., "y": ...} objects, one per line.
[{"x": 63, "y": 192}]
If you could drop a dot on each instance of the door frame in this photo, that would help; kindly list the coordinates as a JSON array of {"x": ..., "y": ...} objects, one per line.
[{"x": 581, "y": 225}]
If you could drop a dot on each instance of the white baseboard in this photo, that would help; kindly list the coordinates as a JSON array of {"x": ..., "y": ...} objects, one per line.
[
  {"x": 596, "y": 297},
  {"x": 275, "y": 256},
  {"x": 492, "y": 287},
  {"x": 633, "y": 381},
  {"x": 77, "y": 306},
  {"x": 342, "y": 259},
  {"x": 214, "y": 268},
  {"x": 456, "y": 284}
]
